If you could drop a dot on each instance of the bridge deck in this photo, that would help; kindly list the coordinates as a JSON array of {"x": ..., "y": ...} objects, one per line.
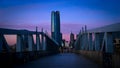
[{"x": 65, "y": 60}]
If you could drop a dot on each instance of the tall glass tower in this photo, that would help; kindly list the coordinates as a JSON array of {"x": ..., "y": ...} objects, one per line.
[{"x": 55, "y": 26}]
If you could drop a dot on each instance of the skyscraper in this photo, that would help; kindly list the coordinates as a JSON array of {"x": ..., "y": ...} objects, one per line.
[
  {"x": 53, "y": 29},
  {"x": 55, "y": 26},
  {"x": 72, "y": 40}
]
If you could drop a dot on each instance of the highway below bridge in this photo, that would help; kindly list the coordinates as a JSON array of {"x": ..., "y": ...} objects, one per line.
[{"x": 62, "y": 60}]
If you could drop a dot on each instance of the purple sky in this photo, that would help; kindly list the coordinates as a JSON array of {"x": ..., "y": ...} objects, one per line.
[{"x": 27, "y": 14}]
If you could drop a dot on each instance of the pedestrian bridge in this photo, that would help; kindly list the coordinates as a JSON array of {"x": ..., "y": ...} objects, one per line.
[{"x": 92, "y": 49}]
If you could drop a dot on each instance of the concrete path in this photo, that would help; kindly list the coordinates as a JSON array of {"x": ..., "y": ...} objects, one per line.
[{"x": 65, "y": 60}]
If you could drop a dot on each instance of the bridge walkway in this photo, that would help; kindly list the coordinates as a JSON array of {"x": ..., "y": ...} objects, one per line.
[{"x": 63, "y": 60}]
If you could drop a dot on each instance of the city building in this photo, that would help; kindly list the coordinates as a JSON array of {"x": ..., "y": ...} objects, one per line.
[
  {"x": 72, "y": 40},
  {"x": 55, "y": 26}
]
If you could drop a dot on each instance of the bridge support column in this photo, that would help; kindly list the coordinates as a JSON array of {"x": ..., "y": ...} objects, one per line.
[
  {"x": 38, "y": 42},
  {"x": 97, "y": 42},
  {"x": 44, "y": 43},
  {"x": 19, "y": 49},
  {"x": 30, "y": 43},
  {"x": 107, "y": 49},
  {"x": 90, "y": 42},
  {"x": 19, "y": 43},
  {"x": 43, "y": 38},
  {"x": 109, "y": 42}
]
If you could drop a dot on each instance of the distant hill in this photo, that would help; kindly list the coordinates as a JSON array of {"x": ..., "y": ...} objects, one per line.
[{"x": 109, "y": 28}]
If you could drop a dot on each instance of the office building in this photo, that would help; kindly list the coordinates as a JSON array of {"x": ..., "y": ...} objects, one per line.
[{"x": 55, "y": 26}]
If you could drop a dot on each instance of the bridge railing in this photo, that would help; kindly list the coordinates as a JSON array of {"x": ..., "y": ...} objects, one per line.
[
  {"x": 98, "y": 46},
  {"x": 25, "y": 48}
]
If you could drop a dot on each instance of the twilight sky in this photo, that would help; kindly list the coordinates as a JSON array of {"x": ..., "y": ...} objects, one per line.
[{"x": 27, "y": 14}]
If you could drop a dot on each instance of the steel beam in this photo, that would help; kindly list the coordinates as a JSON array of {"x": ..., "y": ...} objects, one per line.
[
  {"x": 44, "y": 43},
  {"x": 19, "y": 44},
  {"x": 13, "y": 31},
  {"x": 97, "y": 42},
  {"x": 38, "y": 42},
  {"x": 30, "y": 43},
  {"x": 3, "y": 44},
  {"x": 109, "y": 42},
  {"x": 90, "y": 41}
]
